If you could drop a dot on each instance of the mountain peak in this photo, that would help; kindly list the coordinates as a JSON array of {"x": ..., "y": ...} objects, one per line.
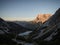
[{"x": 42, "y": 17}]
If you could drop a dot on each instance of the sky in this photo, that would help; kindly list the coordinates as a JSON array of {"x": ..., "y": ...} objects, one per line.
[{"x": 26, "y": 9}]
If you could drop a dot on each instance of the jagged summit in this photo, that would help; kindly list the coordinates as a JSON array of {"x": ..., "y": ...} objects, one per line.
[{"x": 42, "y": 17}]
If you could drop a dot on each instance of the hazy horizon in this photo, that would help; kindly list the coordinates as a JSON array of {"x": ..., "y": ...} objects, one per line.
[{"x": 26, "y": 9}]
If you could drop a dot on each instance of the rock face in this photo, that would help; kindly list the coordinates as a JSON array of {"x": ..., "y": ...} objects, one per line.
[
  {"x": 3, "y": 26},
  {"x": 49, "y": 29},
  {"x": 42, "y": 17}
]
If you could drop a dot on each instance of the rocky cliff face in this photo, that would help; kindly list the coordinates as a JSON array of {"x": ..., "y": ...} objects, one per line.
[
  {"x": 42, "y": 17},
  {"x": 49, "y": 29},
  {"x": 4, "y": 27}
]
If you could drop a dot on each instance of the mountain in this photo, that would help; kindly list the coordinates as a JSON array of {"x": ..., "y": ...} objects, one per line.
[
  {"x": 14, "y": 27},
  {"x": 54, "y": 23},
  {"x": 46, "y": 31},
  {"x": 11, "y": 26},
  {"x": 42, "y": 17},
  {"x": 4, "y": 31},
  {"x": 49, "y": 31},
  {"x": 9, "y": 31},
  {"x": 30, "y": 25},
  {"x": 4, "y": 27}
]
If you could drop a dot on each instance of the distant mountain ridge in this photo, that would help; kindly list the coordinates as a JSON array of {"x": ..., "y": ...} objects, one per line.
[
  {"x": 41, "y": 18},
  {"x": 30, "y": 25},
  {"x": 13, "y": 27}
]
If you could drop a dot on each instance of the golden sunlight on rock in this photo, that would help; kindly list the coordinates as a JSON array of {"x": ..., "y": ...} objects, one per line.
[{"x": 42, "y": 18}]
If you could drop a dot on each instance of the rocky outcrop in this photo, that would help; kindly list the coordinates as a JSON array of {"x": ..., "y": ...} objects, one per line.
[{"x": 42, "y": 17}]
